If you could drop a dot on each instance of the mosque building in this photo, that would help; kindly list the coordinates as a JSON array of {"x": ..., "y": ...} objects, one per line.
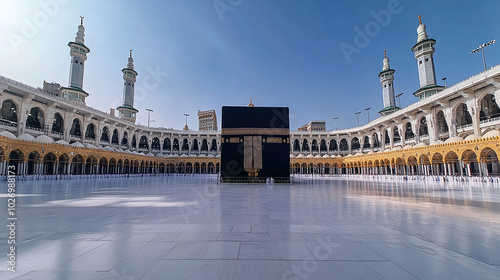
[{"x": 448, "y": 131}]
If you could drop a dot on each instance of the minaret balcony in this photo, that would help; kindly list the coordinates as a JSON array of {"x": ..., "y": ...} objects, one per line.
[{"x": 423, "y": 47}]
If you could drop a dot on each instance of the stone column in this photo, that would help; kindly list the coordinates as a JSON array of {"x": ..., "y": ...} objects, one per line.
[
  {"x": 474, "y": 111},
  {"x": 432, "y": 126}
]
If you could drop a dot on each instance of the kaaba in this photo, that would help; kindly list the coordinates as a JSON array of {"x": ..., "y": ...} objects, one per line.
[{"x": 255, "y": 144}]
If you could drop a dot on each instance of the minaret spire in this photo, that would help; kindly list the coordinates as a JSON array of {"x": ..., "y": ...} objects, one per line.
[
  {"x": 387, "y": 81},
  {"x": 386, "y": 62},
  {"x": 127, "y": 110}
]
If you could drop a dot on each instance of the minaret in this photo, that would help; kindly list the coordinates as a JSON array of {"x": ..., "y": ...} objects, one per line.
[
  {"x": 387, "y": 81},
  {"x": 127, "y": 110},
  {"x": 424, "y": 49},
  {"x": 78, "y": 53}
]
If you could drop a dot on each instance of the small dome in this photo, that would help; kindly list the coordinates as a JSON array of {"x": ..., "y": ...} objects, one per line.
[
  {"x": 150, "y": 155},
  {"x": 421, "y": 32},
  {"x": 44, "y": 139},
  {"x": 370, "y": 152},
  {"x": 26, "y": 137},
  {"x": 292, "y": 156},
  {"x": 326, "y": 156},
  {"x": 333, "y": 156},
  {"x": 472, "y": 137},
  {"x": 217, "y": 156},
  {"x": 396, "y": 148},
  {"x": 309, "y": 156},
  {"x": 202, "y": 155},
  {"x": 407, "y": 147},
  {"x": 300, "y": 156},
  {"x": 78, "y": 144},
  {"x": 421, "y": 144},
  {"x": 359, "y": 154},
  {"x": 454, "y": 139},
  {"x": 91, "y": 146},
  {"x": 62, "y": 142},
  {"x": 6, "y": 133},
  {"x": 184, "y": 155},
  {"x": 492, "y": 133},
  {"x": 437, "y": 142}
]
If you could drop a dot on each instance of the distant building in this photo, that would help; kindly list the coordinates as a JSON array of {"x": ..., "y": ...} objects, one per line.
[
  {"x": 207, "y": 120},
  {"x": 313, "y": 126},
  {"x": 51, "y": 88}
]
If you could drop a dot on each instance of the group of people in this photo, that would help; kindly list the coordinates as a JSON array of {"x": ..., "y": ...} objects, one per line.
[
  {"x": 439, "y": 178},
  {"x": 270, "y": 181}
]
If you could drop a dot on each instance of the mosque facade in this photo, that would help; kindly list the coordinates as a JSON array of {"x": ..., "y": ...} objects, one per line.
[{"x": 448, "y": 131}]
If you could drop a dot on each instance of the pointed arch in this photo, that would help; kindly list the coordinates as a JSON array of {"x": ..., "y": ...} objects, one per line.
[
  {"x": 333, "y": 145},
  {"x": 35, "y": 118},
  {"x": 75, "y": 130},
  {"x": 355, "y": 145},
  {"x": 125, "y": 139},
  {"x": 322, "y": 146},
  {"x": 114, "y": 138},
  {"x": 344, "y": 146},
  {"x": 423, "y": 129},
  {"x": 105, "y": 135},
  {"x": 166, "y": 144},
  {"x": 305, "y": 145},
  {"x": 143, "y": 143},
  {"x": 296, "y": 145},
  {"x": 175, "y": 145},
  {"x": 409, "y": 131},
  {"x": 57, "y": 124},
  {"x": 8, "y": 112},
  {"x": 155, "y": 144},
  {"x": 204, "y": 145},
  {"x": 185, "y": 145},
  {"x": 213, "y": 147}
]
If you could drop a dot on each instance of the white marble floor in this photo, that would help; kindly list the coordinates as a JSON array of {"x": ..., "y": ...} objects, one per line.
[{"x": 190, "y": 227}]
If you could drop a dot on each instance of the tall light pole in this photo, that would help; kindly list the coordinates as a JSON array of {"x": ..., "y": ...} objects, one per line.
[
  {"x": 481, "y": 47},
  {"x": 368, "y": 112},
  {"x": 444, "y": 79},
  {"x": 357, "y": 115},
  {"x": 335, "y": 119},
  {"x": 399, "y": 98},
  {"x": 149, "y": 115}
]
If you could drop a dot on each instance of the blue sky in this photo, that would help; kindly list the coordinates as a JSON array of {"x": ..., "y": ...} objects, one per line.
[{"x": 280, "y": 53}]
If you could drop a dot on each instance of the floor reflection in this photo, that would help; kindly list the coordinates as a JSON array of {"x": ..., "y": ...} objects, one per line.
[{"x": 191, "y": 226}]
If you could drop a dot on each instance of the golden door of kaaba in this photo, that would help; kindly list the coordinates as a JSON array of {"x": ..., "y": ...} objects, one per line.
[{"x": 255, "y": 144}]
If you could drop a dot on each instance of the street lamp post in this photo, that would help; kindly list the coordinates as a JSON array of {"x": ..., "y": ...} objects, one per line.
[
  {"x": 399, "y": 98},
  {"x": 336, "y": 118},
  {"x": 481, "y": 47},
  {"x": 149, "y": 115},
  {"x": 368, "y": 112},
  {"x": 357, "y": 115}
]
